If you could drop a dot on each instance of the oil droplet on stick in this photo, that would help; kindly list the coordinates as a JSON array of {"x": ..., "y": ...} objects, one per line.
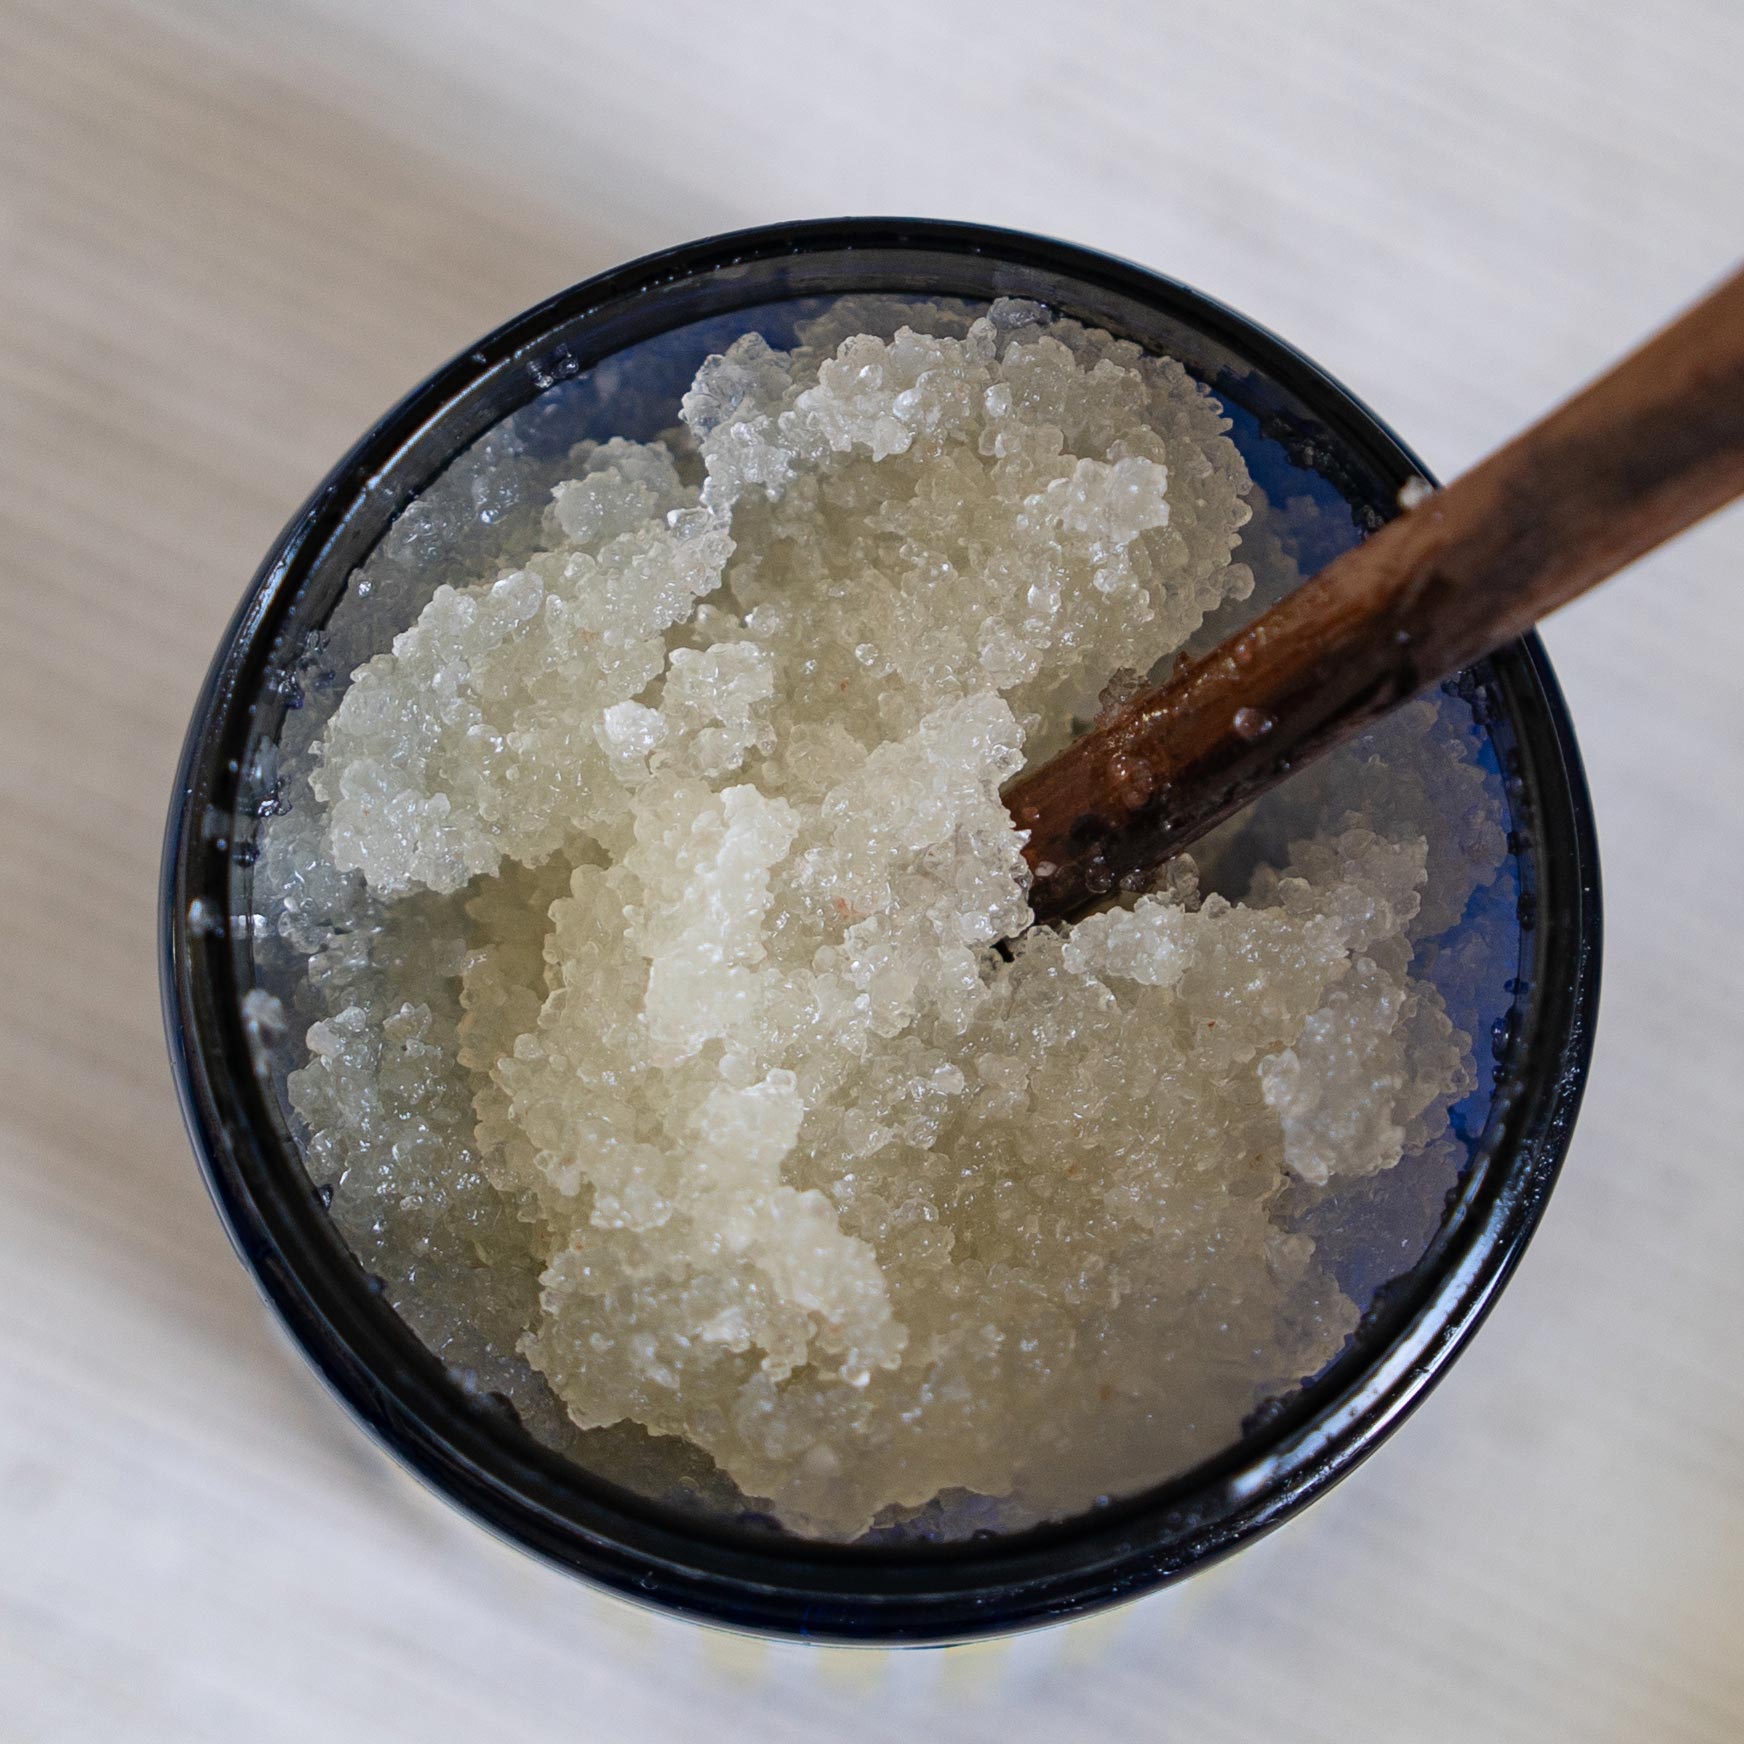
[
  {"x": 1133, "y": 779},
  {"x": 1252, "y": 724}
]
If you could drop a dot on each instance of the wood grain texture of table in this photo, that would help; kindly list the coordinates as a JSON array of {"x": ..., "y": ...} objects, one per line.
[{"x": 232, "y": 233}]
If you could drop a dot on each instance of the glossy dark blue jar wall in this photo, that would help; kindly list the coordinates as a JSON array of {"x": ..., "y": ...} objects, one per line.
[{"x": 465, "y": 1447}]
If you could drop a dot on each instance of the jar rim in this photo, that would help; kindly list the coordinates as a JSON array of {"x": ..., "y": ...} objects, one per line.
[{"x": 462, "y": 1444}]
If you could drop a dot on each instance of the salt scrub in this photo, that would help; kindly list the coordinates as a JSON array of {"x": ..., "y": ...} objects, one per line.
[{"x": 647, "y": 889}]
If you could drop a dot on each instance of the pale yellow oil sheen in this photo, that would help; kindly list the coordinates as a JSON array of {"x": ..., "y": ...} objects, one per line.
[{"x": 683, "y": 857}]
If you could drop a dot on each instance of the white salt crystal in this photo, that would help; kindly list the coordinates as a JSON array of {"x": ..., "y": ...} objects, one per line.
[{"x": 664, "y": 866}]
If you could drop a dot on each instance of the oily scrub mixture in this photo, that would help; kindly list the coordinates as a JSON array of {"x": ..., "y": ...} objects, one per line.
[{"x": 645, "y": 894}]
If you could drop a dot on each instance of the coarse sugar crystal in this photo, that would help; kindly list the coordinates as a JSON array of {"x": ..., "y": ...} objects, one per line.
[{"x": 643, "y": 895}]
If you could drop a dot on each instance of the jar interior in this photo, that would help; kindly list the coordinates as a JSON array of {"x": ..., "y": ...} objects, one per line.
[{"x": 1314, "y": 496}]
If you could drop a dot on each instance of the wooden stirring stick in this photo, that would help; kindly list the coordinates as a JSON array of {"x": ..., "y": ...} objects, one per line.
[{"x": 1641, "y": 454}]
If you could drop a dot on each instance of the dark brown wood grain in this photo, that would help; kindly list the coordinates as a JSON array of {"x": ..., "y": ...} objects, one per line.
[{"x": 1645, "y": 451}]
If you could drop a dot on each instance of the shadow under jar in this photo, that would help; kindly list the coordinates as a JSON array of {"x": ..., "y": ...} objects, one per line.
[{"x": 1420, "y": 1250}]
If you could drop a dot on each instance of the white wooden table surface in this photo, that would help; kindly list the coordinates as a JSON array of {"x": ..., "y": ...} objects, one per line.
[{"x": 232, "y": 232}]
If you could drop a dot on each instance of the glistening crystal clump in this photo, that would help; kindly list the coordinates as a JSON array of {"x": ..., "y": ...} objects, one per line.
[{"x": 647, "y": 889}]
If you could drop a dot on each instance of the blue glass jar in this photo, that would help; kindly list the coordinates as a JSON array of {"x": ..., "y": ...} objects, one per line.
[{"x": 1302, "y": 434}]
